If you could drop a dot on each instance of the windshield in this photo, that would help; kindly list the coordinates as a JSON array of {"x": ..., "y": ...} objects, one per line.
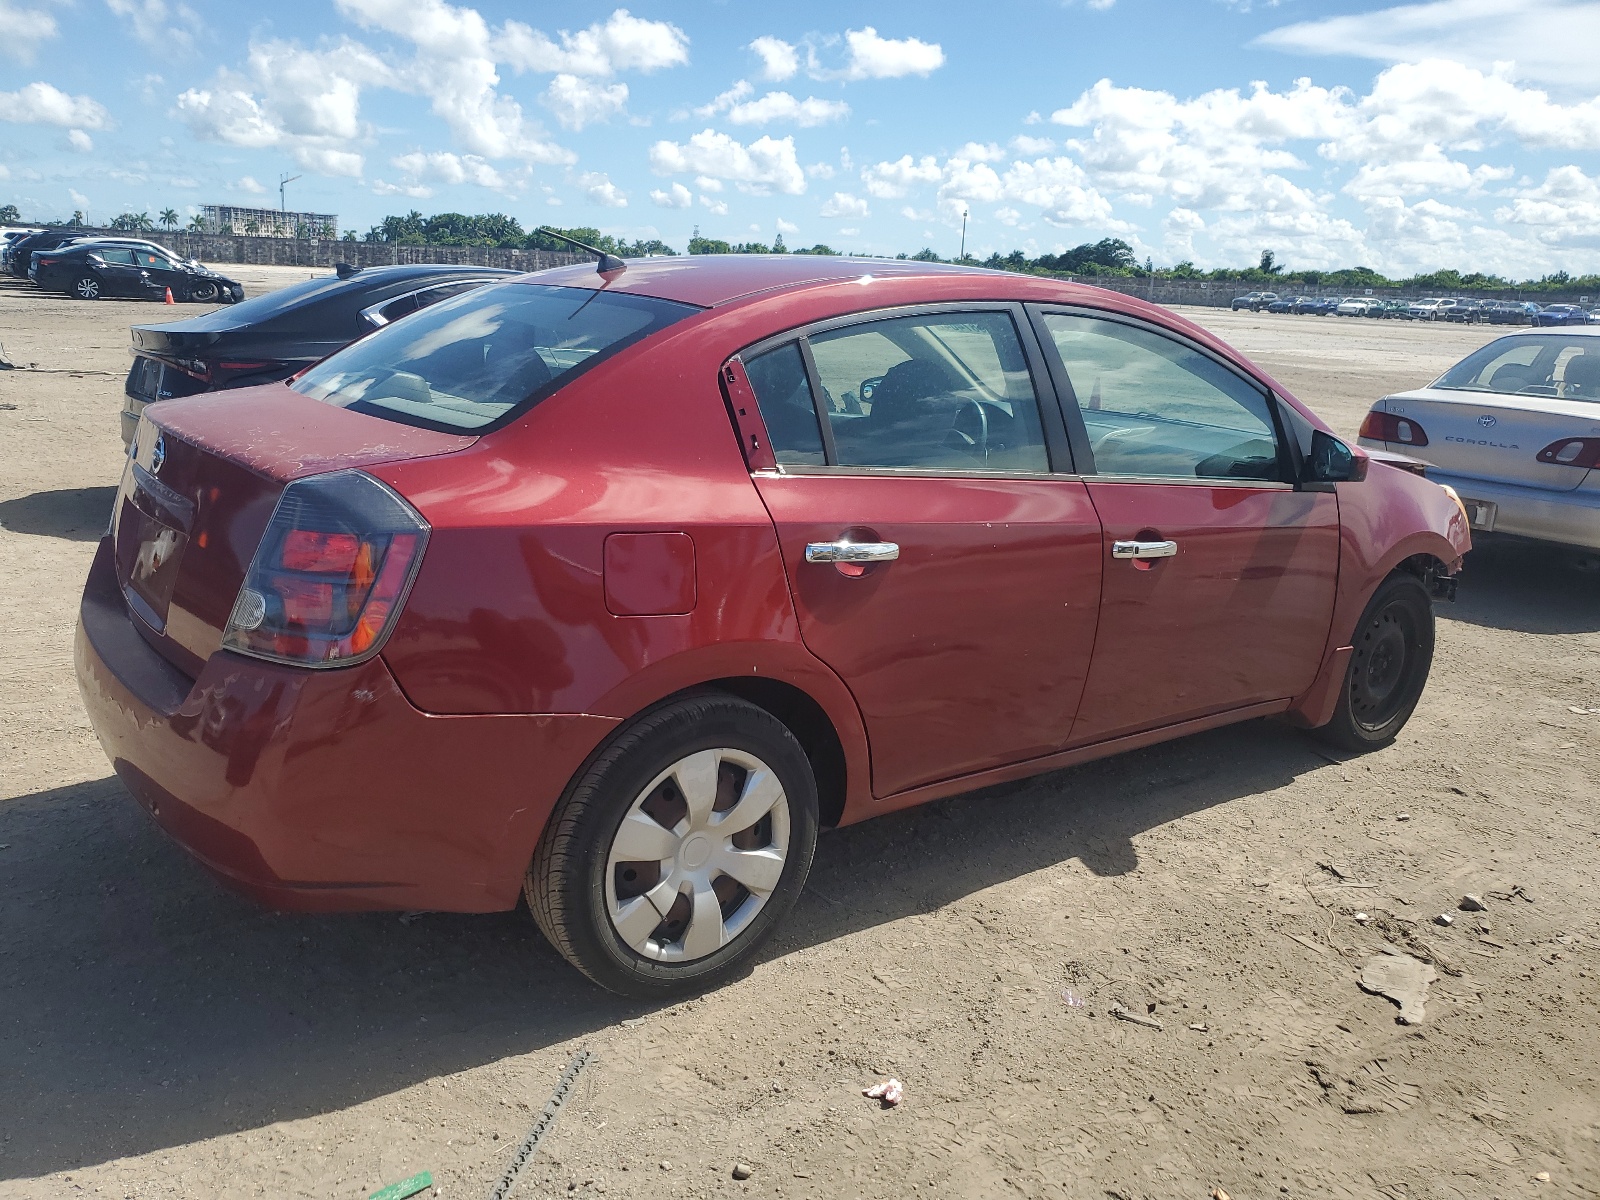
[
  {"x": 470, "y": 362},
  {"x": 1566, "y": 366}
]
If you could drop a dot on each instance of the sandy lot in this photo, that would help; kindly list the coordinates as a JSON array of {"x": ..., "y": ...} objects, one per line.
[{"x": 160, "y": 1038}]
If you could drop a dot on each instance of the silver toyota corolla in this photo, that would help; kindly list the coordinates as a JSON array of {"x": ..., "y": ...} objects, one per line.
[{"x": 1515, "y": 429}]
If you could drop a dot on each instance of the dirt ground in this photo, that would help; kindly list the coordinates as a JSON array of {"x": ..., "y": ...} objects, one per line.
[{"x": 161, "y": 1038}]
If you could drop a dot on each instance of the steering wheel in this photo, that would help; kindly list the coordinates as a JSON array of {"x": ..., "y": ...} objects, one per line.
[{"x": 969, "y": 430}]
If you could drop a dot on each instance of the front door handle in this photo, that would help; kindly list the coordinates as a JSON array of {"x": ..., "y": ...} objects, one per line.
[
  {"x": 1143, "y": 549},
  {"x": 851, "y": 552}
]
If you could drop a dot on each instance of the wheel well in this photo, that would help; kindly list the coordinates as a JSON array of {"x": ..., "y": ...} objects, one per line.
[
  {"x": 1433, "y": 573},
  {"x": 811, "y": 728}
]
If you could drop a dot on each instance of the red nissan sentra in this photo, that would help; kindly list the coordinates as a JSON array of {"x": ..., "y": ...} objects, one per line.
[{"x": 612, "y": 589}]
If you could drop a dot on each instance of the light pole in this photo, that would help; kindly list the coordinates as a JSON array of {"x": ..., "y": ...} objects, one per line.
[
  {"x": 1150, "y": 270},
  {"x": 963, "y": 254}
]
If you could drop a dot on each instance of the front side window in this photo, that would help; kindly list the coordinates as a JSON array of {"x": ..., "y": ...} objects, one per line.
[
  {"x": 466, "y": 363},
  {"x": 1154, "y": 406},
  {"x": 944, "y": 390}
]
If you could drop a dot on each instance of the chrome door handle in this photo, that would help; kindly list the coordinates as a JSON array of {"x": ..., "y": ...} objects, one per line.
[
  {"x": 851, "y": 552},
  {"x": 1143, "y": 549}
]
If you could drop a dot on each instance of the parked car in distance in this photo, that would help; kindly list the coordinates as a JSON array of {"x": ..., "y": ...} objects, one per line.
[
  {"x": 21, "y": 249},
  {"x": 1463, "y": 312},
  {"x": 1514, "y": 428},
  {"x": 1355, "y": 306},
  {"x": 1283, "y": 304},
  {"x": 1426, "y": 310},
  {"x": 1505, "y": 312},
  {"x": 1316, "y": 306},
  {"x": 1255, "y": 301},
  {"x": 8, "y": 239},
  {"x": 1561, "y": 314},
  {"x": 611, "y": 590},
  {"x": 275, "y": 335},
  {"x": 94, "y": 270}
]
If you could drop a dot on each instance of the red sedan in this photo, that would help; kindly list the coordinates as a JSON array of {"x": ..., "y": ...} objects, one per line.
[{"x": 612, "y": 589}]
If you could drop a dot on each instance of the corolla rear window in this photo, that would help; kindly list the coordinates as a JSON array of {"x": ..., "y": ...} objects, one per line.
[
  {"x": 466, "y": 363},
  {"x": 1566, "y": 366}
]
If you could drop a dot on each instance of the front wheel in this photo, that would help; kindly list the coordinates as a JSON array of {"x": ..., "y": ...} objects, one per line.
[
  {"x": 1388, "y": 668},
  {"x": 676, "y": 853},
  {"x": 85, "y": 287},
  {"x": 203, "y": 292}
]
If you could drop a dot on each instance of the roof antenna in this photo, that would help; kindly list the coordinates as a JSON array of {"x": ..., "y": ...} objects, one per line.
[{"x": 608, "y": 262}]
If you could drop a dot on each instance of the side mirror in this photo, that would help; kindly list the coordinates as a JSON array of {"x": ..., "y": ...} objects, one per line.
[{"x": 1331, "y": 461}]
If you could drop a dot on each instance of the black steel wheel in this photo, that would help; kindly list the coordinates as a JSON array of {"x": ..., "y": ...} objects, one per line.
[{"x": 1389, "y": 665}]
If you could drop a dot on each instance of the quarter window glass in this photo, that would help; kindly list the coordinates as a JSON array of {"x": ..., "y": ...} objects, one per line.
[
  {"x": 121, "y": 257},
  {"x": 948, "y": 390},
  {"x": 1153, "y": 406},
  {"x": 779, "y": 381}
]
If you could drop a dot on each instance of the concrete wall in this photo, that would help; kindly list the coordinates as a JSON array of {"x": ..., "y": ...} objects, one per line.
[{"x": 1220, "y": 295}]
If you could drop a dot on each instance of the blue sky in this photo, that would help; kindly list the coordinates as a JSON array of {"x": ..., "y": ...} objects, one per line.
[{"x": 1447, "y": 133}]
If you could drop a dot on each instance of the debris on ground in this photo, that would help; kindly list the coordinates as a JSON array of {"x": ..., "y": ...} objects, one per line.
[
  {"x": 1471, "y": 903},
  {"x": 743, "y": 1170},
  {"x": 1444, "y": 919},
  {"x": 1134, "y": 1018},
  {"x": 1402, "y": 816},
  {"x": 1071, "y": 1000},
  {"x": 890, "y": 1091},
  {"x": 1218, "y": 1194},
  {"x": 420, "y": 1182},
  {"x": 1542, "y": 1177},
  {"x": 1402, "y": 979},
  {"x": 1582, "y": 712},
  {"x": 1199, "y": 1027},
  {"x": 1336, "y": 872},
  {"x": 1361, "y": 918},
  {"x": 412, "y": 916},
  {"x": 541, "y": 1126}
]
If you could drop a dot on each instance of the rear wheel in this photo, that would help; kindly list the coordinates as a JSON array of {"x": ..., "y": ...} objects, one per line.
[
  {"x": 1389, "y": 666},
  {"x": 674, "y": 856},
  {"x": 85, "y": 287}
]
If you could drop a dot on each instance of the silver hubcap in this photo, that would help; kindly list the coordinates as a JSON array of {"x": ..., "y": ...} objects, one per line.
[
  {"x": 698, "y": 855},
  {"x": 88, "y": 289}
]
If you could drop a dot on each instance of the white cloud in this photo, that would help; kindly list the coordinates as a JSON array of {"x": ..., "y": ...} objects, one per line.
[
  {"x": 787, "y": 226},
  {"x": 325, "y": 160},
  {"x": 820, "y": 170},
  {"x": 891, "y": 180},
  {"x": 767, "y": 165},
  {"x": 577, "y": 103},
  {"x": 43, "y": 104},
  {"x": 80, "y": 141},
  {"x": 726, "y": 100},
  {"x": 716, "y": 207},
  {"x": 1568, "y": 201},
  {"x": 1023, "y": 144},
  {"x": 707, "y": 184},
  {"x": 1552, "y": 41},
  {"x": 24, "y": 29},
  {"x": 444, "y": 167},
  {"x": 416, "y": 191},
  {"x": 623, "y": 43},
  {"x": 600, "y": 190},
  {"x": 843, "y": 204},
  {"x": 779, "y": 59},
  {"x": 781, "y": 106},
  {"x": 247, "y": 183},
  {"x": 677, "y": 196},
  {"x": 872, "y": 56},
  {"x": 1427, "y": 173},
  {"x": 980, "y": 152},
  {"x": 159, "y": 25}
]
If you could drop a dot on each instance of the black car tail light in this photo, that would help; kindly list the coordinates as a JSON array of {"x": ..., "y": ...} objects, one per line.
[
  {"x": 1382, "y": 426},
  {"x": 331, "y": 573},
  {"x": 1572, "y": 452}
]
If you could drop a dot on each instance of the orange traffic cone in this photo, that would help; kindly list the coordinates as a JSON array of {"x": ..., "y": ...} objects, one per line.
[{"x": 169, "y": 299}]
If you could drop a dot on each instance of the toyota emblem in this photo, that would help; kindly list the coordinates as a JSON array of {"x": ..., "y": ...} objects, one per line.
[
  {"x": 1487, "y": 421},
  {"x": 158, "y": 454}
]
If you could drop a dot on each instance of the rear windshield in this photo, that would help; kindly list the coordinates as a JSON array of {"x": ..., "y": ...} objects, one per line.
[
  {"x": 467, "y": 363},
  {"x": 1531, "y": 364}
]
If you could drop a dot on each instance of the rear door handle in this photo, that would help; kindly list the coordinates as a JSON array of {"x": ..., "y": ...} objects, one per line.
[
  {"x": 851, "y": 552},
  {"x": 1143, "y": 549}
]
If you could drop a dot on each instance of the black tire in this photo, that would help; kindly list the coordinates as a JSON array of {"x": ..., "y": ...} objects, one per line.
[
  {"x": 203, "y": 292},
  {"x": 568, "y": 883},
  {"x": 86, "y": 287},
  {"x": 1389, "y": 668}
]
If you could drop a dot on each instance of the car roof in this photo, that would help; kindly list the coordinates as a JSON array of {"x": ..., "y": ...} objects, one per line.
[{"x": 708, "y": 280}]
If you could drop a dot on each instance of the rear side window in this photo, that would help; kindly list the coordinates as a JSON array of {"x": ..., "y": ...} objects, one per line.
[
  {"x": 783, "y": 392},
  {"x": 465, "y": 364},
  {"x": 112, "y": 255}
]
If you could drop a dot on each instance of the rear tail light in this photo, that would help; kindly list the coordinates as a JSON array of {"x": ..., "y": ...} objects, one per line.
[
  {"x": 1572, "y": 452},
  {"x": 1382, "y": 426},
  {"x": 331, "y": 573}
]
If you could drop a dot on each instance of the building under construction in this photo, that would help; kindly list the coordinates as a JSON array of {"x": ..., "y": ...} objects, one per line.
[{"x": 268, "y": 222}]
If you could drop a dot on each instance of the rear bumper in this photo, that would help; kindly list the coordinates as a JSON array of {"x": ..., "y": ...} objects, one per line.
[
  {"x": 323, "y": 790},
  {"x": 132, "y": 408},
  {"x": 1571, "y": 518}
]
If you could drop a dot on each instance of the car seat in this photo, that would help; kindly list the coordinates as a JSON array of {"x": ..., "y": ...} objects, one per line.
[
  {"x": 1582, "y": 377},
  {"x": 913, "y": 411}
]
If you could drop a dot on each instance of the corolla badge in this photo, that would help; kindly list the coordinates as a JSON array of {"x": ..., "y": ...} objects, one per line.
[
  {"x": 1487, "y": 421},
  {"x": 158, "y": 454}
]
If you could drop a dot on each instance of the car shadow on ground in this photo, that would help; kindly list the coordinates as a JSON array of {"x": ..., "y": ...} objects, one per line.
[
  {"x": 1527, "y": 587},
  {"x": 79, "y": 514},
  {"x": 145, "y": 1007}
]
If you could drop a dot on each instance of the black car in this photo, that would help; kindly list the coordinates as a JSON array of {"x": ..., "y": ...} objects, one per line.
[
  {"x": 21, "y": 249},
  {"x": 143, "y": 270},
  {"x": 277, "y": 335}
]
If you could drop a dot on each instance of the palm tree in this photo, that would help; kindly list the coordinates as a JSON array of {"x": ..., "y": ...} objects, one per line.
[
  {"x": 252, "y": 227},
  {"x": 197, "y": 223},
  {"x": 143, "y": 223},
  {"x": 169, "y": 218}
]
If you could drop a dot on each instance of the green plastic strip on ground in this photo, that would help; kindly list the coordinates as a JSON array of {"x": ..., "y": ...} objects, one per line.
[{"x": 406, "y": 1187}]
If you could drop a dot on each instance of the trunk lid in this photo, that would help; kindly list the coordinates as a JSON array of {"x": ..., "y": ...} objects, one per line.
[
  {"x": 200, "y": 486},
  {"x": 1487, "y": 435}
]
